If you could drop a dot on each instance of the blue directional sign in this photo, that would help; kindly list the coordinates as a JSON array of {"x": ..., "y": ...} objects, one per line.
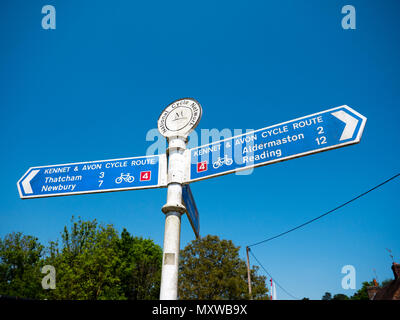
[
  {"x": 326, "y": 130},
  {"x": 191, "y": 209},
  {"x": 94, "y": 176}
]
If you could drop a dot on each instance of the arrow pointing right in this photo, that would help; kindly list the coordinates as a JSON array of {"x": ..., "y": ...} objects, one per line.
[
  {"x": 26, "y": 183},
  {"x": 351, "y": 124}
]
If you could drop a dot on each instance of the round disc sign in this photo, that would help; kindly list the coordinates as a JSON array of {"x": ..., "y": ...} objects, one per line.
[{"x": 179, "y": 118}]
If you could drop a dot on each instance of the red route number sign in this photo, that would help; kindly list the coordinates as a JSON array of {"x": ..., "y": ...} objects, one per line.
[
  {"x": 145, "y": 175},
  {"x": 202, "y": 166}
]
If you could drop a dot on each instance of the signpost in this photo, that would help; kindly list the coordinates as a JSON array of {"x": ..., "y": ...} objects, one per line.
[
  {"x": 326, "y": 130},
  {"x": 175, "y": 123},
  {"x": 94, "y": 176}
]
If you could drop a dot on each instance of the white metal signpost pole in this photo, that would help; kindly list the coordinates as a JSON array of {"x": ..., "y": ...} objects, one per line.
[
  {"x": 173, "y": 210},
  {"x": 175, "y": 123}
]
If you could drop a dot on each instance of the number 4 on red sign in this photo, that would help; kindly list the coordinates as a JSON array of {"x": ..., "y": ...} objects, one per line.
[
  {"x": 145, "y": 175},
  {"x": 202, "y": 166}
]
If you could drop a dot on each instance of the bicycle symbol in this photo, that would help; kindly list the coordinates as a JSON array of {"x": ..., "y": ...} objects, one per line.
[
  {"x": 221, "y": 161},
  {"x": 125, "y": 177}
]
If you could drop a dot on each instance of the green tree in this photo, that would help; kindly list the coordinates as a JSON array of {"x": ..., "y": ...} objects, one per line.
[
  {"x": 92, "y": 262},
  {"x": 340, "y": 296},
  {"x": 87, "y": 264},
  {"x": 140, "y": 269},
  {"x": 327, "y": 296},
  {"x": 362, "y": 294},
  {"x": 211, "y": 268},
  {"x": 20, "y": 266}
]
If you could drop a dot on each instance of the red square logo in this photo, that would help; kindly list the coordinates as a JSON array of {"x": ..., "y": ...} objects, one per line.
[
  {"x": 145, "y": 175},
  {"x": 202, "y": 166}
]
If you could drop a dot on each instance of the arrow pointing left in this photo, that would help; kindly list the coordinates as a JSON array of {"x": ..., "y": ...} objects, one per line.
[{"x": 26, "y": 183}]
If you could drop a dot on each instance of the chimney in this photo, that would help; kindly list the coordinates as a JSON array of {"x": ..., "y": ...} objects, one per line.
[
  {"x": 372, "y": 290},
  {"x": 396, "y": 270}
]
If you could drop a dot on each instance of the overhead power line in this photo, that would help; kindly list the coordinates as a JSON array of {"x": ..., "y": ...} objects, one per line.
[
  {"x": 273, "y": 279},
  {"x": 326, "y": 213}
]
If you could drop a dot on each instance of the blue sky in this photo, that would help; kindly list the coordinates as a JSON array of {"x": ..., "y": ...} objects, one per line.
[{"x": 92, "y": 88}]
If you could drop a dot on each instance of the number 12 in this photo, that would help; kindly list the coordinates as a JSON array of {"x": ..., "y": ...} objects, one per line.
[{"x": 321, "y": 140}]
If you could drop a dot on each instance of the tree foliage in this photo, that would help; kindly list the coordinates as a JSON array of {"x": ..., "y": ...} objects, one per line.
[
  {"x": 211, "y": 268},
  {"x": 327, "y": 296},
  {"x": 340, "y": 296},
  {"x": 88, "y": 262},
  {"x": 20, "y": 261},
  {"x": 91, "y": 262},
  {"x": 362, "y": 293},
  {"x": 140, "y": 267}
]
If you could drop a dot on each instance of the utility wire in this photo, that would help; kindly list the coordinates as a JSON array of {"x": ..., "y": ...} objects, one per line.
[
  {"x": 283, "y": 289},
  {"x": 326, "y": 213}
]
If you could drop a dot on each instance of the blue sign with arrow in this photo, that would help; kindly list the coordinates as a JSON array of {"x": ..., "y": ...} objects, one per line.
[
  {"x": 326, "y": 130},
  {"x": 191, "y": 209},
  {"x": 94, "y": 176}
]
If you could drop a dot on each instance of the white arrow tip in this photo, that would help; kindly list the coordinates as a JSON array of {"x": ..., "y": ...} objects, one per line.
[
  {"x": 351, "y": 124},
  {"x": 26, "y": 183}
]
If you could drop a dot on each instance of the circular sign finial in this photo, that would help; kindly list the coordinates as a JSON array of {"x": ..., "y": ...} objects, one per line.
[{"x": 179, "y": 118}]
